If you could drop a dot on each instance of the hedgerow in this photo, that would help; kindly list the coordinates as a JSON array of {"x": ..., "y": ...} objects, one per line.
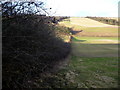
[{"x": 30, "y": 47}]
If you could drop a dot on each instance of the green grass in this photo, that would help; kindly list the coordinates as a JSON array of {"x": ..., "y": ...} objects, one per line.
[
  {"x": 99, "y": 31},
  {"x": 95, "y": 72},
  {"x": 96, "y": 65},
  {"x": 92, "y": 47},
  {"x": 96, "y": 40},
  {"x": 88, "y": 73},
  {"x": 93, "y": 62}
]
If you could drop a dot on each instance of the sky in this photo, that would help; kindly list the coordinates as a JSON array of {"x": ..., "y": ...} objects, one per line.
[{"x": 82, "y": 8}]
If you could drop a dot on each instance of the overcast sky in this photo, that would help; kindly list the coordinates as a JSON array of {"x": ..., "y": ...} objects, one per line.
[{"x": 106, "y": 8}]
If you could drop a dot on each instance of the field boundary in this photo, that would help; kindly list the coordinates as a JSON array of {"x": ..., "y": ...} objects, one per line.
[{"x": 61, "y": 64}]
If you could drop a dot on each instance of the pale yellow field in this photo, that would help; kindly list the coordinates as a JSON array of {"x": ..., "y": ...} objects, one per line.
[
  {"x": 90, "y": 27},
  {"x": 86, "y": 22}
]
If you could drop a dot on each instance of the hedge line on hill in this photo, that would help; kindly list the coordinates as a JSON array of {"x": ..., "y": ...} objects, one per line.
[{"x": 105, "y": 20}]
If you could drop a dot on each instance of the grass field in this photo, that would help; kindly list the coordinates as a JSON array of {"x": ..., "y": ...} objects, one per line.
[
  {"x": 94, "y": 47},
  {"x": 94, "y": 57},
  {"x": 84, "y": 72},
  {"x": 96, "y": 40},
  {"x": 93, "y": 62},
  {"x": 92, "y": 72},
  {"x": 91, "y": 28},
  {"x": 85, "y": 22},
  {"x": 98, "y": 31}
]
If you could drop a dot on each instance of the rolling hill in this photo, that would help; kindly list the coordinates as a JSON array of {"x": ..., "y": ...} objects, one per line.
[{"x": 88, "y": 22}]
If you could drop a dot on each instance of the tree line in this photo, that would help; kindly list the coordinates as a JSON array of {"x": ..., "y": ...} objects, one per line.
[{"x": 105, "y": 20}]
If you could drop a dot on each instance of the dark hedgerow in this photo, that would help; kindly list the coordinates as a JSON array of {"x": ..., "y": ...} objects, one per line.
[{"x": 29, "y": 47}]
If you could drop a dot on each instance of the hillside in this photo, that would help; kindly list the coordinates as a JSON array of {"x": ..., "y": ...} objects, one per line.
[
  {"x": 90, "y": 27},
  {"x": 88, "y": 22},
  {"x": 94, "y": 55},
  {"x": 106, "y": 20}
]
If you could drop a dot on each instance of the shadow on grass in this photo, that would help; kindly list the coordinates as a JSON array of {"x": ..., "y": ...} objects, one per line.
[
  {"x": 77, "y": 39},
  {"x": 75, "y": 32},
  {"x": 93, "y": 50}
]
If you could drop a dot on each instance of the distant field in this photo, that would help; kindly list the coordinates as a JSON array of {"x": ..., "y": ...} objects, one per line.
[
  {"x": 86, "y": 22},
  {"x": 98, "y": 31},
  {"x": 91, "y": 28},
  {"x": 96, "y": 40},
  {"x": 94, "y": 56},
  {"x": 93, "y": 41},
  {"x": 95, "y": 47}
]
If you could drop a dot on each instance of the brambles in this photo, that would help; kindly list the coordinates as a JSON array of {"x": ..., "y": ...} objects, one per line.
[{"x": 30, "y": 47}]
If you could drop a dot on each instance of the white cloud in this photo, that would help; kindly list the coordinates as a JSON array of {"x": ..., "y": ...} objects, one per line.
[{"x": 92, "y": 7}]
